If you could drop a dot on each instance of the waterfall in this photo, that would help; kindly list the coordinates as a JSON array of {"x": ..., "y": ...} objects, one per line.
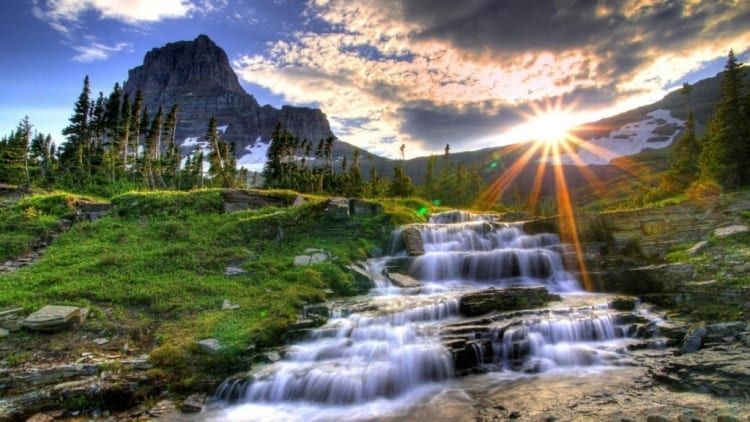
[{"x": 396, "y": 344}]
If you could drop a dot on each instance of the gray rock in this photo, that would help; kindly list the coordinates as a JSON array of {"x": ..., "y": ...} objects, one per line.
[
  {"x": 375, "y": 253},
  {"x": 101, "y": 341},
  {"x": 402, "y": 280},
  {"x": 193, "y": 403},
  {"x": 489, "y": 300},
  {"x": 233, "y": 271},
  {"x": 693, "y": 340},
  {"x": 210, "y": 346},
  {"x": 731, "y": 230},
  {"x": 337, "y": 208},
  {"x": 312, "y": 256},
  {"x": 623, "y": 303},
  {"x": 363, "y": 208},
  {"x": 719, "y": 332},
  {"x": 273, "y": 356},
  {"x": 362, "y": 278},
  {"x": 698, "y": 248},
  {"x": 4, "y": 333},
  {"x": 53, "y": 317},
  {"x": 226, "y": 305},
  {"x": 413, "y": 241}
]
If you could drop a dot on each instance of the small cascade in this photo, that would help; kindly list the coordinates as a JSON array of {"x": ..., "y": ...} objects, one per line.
[{"x": 403, "y": 340}]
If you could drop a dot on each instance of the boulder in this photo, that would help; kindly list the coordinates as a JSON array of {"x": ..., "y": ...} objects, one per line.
[
  {"x": 698, "y": 247},
  {"x": 53, "y": 317},
  {"x": 193, "y": 403},
  {"x": 243, "y": 199},
  {"x": 90, "y": 211},
  {"x": 693, "y": 340},
  {"x": 362, "y": 278},
  {"x": 722, "y": 331},
  {"x": 362, "y": 208},
  {"x": 233, "y": 271},
  {"x": 226, "y": 305},
  {"x": 311, "y": 256},
  {"x": 210, "y": 346},
  {"x": 4, "y": 333},
  {"x": 413, "y": 241},
  {"x": 623, "y": 303},
  {"x": 484, "y": 301},
  {"x": 337, "y": 209},
  {"x": 402, "y": 280},
  {"x": 731, "y": 230}
]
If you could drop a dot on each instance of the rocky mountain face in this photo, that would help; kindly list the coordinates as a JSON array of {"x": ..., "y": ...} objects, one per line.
[{"x": 196, "y": 76}]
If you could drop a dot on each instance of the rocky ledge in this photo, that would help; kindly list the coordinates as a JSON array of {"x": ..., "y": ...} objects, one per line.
[{"x": 510, "y": 299}]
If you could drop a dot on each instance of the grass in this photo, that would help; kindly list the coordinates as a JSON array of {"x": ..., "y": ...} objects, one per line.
[
  {"x": 157, "y": 261},
  {"x": 32, "y": 219}
]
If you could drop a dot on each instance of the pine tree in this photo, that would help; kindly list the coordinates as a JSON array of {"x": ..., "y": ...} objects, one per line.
[
  {"x": 722, "y": 157},
  {"x": 150, "y": 151},
  {"x": 221, "y": 158},
  {"x": 171, "y": 160},
  {"x": 135, "y": 127},
  {"x": 687, "y": 150},
  {"x": 401, "y": 185},
  {"x": 78, "y": 135}
]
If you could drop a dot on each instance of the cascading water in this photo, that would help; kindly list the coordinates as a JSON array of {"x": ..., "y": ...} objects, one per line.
[{"x": 400, "y": 345}]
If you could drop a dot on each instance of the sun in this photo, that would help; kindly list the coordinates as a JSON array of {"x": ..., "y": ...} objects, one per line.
[
  {"x": 549, "y": 126},
  {"x": 548, "y": 123}
]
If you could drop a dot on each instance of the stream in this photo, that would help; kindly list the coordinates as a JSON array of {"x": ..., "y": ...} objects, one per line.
[{"x": 410, "y": 354}]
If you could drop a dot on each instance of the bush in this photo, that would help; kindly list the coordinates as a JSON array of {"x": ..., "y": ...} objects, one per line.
[{"x": 704, "y": 192}]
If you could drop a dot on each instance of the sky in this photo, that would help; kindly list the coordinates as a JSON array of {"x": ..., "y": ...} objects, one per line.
[{"x": 473, "y": 73}]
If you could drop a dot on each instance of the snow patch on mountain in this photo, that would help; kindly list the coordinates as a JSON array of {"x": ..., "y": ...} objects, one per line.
[
  {"x": 627, "y": 140},
  {"x": 255, "y": 157}
]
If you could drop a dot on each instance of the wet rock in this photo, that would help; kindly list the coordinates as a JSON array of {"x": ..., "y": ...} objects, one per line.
[
  {"x": 623, "y": 303},
  {"x": 337, "y": 209},
  {"x": 658, "y": 418},
  {"x": 698, "y": 248},
  {"x": 726, "y": 418},
  {"x": 375, "y": 253},
  {"x": 193, "y": 403},
  {"x": 693, "y": 338},
  {"x": 233, "y": 271},
  {"x": 317, "y": 310},
  {"x": 210, "y": 346},
  {"x": 720, "y": 332},
  {"x": 413, "y": 241},
  {"x": 402, "y": 280},
  {"x": 732, "y": 230},
  {"x": 514, "y": 415},
  {"x": 514, "y": 298},
  {"x": 53, "y": 318},
  {"x": 362, "y": 278},
  {"x": 360, "y": 207},
  {"x": 273, "y": 356}
]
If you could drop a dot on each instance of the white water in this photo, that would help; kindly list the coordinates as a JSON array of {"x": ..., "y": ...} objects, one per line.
[{"x": 372, "y": 363}]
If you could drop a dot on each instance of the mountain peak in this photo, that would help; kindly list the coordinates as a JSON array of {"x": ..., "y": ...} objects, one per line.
[{"x": 196, "y": 76}]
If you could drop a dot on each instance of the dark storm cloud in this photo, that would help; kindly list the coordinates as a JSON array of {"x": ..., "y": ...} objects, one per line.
[{"x": 625, "y": 39}]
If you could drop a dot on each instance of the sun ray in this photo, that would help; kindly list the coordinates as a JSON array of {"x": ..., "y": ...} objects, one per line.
[
  {"x": 568, "y": 229},
  {"x": 585, "y": 171},
  {"x": 536, "y": 189},
  {"x": 498, "y": 187}
]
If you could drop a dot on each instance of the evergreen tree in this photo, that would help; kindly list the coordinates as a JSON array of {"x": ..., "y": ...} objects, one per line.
[
  {"x": 401, "y": 185},
  {"x": 723, "y": 154},
  {"x": 221, "y": 158},
  {"x": 78, "y": 136},
  {"x": 686, "y": 151}
]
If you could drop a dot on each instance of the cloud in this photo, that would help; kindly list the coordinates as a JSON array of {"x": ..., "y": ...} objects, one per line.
[
  {"x": 97, "y": 51},
  {"x": 63, "y": 15},
  {"x": 428, "y": 72}
]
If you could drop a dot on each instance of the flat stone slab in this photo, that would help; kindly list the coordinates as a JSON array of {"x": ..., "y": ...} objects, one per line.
[
  {"x": 210, "y": 345},
  {"x": 413, "y": 241},
  {"x": 698, "y": 247},
  {"x": 52, "y": 317},
  {"x": 402, "y": 280},
  {"x": 233, "y": 271},
  {"x": 507, "y": 299},
  {"x": 731, "y": 230}
]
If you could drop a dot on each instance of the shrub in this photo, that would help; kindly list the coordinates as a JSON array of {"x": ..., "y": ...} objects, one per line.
[{"x": 704, "y": 192}]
